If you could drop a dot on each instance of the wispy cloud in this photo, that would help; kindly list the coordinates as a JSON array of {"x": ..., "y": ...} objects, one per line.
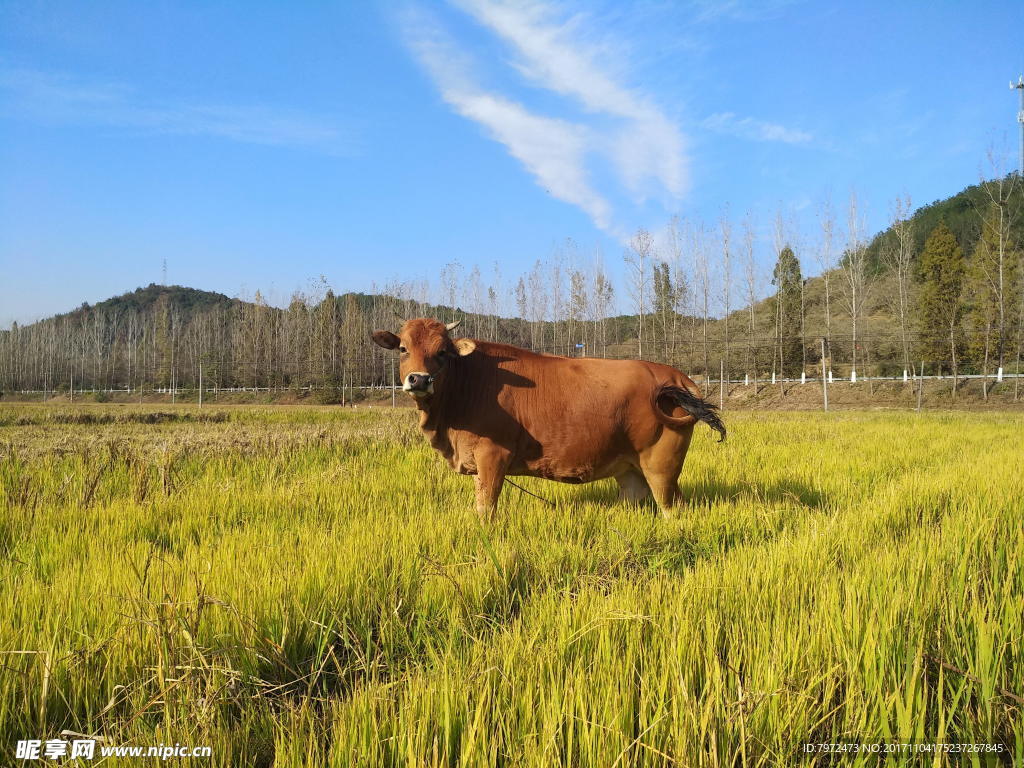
[
  {"x": 552, "y": 150},
  {"x": 617, "y": 125},
  {"x": 47, "y": 96},
  {"x": 755, "y": 130},
  {"x": 737, "y": 10},
  {"x": 556, "y": 55}
]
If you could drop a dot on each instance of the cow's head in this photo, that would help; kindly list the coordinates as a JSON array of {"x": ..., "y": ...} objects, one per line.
[{"x": 425, "y": 351}]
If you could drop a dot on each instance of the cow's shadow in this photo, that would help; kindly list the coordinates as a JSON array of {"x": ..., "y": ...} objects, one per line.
[
  {"x": 476, "y": 390},
  {"x": 696, "y": 495},
  {"x": 678, "y": 550}
]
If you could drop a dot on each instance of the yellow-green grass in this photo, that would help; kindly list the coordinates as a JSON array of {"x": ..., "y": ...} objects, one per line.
[{"x": 307, "y": 587}]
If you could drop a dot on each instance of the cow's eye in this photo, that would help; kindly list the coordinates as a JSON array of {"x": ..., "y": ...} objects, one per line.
[{"x": 402, "y": 349}]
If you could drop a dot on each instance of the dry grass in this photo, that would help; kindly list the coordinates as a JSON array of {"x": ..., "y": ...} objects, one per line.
[{"x": 306, "y": 587}]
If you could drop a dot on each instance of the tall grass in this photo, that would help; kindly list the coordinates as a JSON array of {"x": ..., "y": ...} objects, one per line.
[{"x": 309, "y": 587}]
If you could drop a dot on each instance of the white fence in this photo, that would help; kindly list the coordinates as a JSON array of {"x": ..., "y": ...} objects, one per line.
[{"x": 745, "y": 381}]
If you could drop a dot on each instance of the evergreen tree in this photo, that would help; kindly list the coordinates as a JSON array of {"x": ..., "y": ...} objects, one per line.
[
  {"x": 940, "y": 306},
  {"x": 666, "y": 299},
  {"x": 788, "y": 280}
]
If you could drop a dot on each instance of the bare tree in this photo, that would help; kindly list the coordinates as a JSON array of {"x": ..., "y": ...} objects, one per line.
[
  {"x": 702, "y": 293},
  {"x": 578, "y": 307},
  {"x": 825, "y": 255},
  {"x": 475, "y": 294},
  {"x": 994, "y": 258},
  {"x": 496, "y": 300},
  {"x": 725, "y": 227},
  {"x": 557, "y": 304},
  {"x": 637, "y": 258},
  {"x": 681, "y": 285},
  {"x": 451, "y": 281},
  {"x": 778, "y": 243},
  {"x": 538, "y": 302},
  {"x": 751, "y": 279},
  {"x": 603, "y": 293},
  {"x": 522, "y": 304},
  {"x": 855, "y": 272},
  {"x": 898, "y": 255}
]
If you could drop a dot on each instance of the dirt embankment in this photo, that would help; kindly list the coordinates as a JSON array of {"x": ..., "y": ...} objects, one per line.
[{"x": 935, "y": 394}]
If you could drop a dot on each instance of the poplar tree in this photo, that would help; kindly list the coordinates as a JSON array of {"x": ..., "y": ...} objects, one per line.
[
  {"x": 941, "y": 272},
  {"x": 788, "y": 311},
  {"x": 993, "y": 285}
]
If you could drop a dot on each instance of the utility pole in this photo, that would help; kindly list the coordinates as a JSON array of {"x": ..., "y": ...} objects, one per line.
[
  {"x": 200, "y": 384},
  {"x": 1019, "y": 86}
]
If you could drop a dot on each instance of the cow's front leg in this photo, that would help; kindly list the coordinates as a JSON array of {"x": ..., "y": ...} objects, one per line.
[{"x": 491, "y": 463}]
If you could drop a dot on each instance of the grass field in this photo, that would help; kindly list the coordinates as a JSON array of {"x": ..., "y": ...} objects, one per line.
[{"x": 307, "y": 587}]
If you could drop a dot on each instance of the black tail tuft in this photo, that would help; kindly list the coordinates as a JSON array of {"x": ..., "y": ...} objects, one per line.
[{"x": 697, "y": 407}]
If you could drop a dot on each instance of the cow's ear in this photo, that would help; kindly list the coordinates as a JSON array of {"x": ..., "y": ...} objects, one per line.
[
  {"x": 386, "y": 339},
  {"x": 464, "y": 346}
]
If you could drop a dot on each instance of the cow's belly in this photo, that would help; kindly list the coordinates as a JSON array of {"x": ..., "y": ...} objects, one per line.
[
  {"x": 579, "y": 464},
  {"x": 576, "y": 476}
]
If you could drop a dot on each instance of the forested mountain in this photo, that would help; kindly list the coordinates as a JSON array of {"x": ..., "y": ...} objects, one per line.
[
  {"x": 940, "y": 286},
  {"x": 962, "y": 213},
  {"x": 187, "y": 300}
]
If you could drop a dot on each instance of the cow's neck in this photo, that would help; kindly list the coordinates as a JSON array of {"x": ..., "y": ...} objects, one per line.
[
  {"x": 436, "y": 414},
  {"x": 433, "y": 424}
]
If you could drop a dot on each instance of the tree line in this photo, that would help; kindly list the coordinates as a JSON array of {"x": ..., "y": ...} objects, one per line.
[{"x": 950, "y": 297}]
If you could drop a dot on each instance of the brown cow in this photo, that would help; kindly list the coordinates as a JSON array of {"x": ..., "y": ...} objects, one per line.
[{"x": 494, "y": 410}]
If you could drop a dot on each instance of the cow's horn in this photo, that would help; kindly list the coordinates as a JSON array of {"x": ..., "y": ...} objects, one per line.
[{"x": 453, "y": 326}]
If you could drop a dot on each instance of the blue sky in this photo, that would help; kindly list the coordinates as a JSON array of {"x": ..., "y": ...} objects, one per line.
[{"x": 261, "y": 145}]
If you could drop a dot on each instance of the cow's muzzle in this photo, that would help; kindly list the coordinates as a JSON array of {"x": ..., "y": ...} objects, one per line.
[{"x": 419, "y": 384}]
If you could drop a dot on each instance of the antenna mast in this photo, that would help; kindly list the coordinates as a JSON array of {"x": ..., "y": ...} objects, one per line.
[{"x": 1019, "y": 86}]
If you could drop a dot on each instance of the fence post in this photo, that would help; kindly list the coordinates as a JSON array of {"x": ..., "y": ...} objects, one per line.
[
  {"x": 721, "y": 385},
  {"x": 920, "y": 385},
  {"x": 824, "y": 379}
]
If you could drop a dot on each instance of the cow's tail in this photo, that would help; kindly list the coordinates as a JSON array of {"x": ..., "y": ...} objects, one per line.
[{"x": 692, "y": 403}]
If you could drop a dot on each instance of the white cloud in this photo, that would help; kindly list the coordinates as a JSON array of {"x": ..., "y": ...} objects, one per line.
[
  {"x": 755, "y": 130},
  {"x": 552, "y": 150},
  {"x": 57, "y": 97},
  {"x": 556, "y": 56},
  {"x": 644, "y": 147}
]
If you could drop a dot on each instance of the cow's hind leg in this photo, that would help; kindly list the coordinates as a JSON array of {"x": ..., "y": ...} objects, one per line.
[
  {"x": 632, "y": 486},
  {"x": 662, "y": 463}
]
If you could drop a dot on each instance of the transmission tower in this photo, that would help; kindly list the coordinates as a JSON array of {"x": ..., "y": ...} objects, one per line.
[
  {"x": 165, "y": 260},
  {"x": 1019, "y": 86}
]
